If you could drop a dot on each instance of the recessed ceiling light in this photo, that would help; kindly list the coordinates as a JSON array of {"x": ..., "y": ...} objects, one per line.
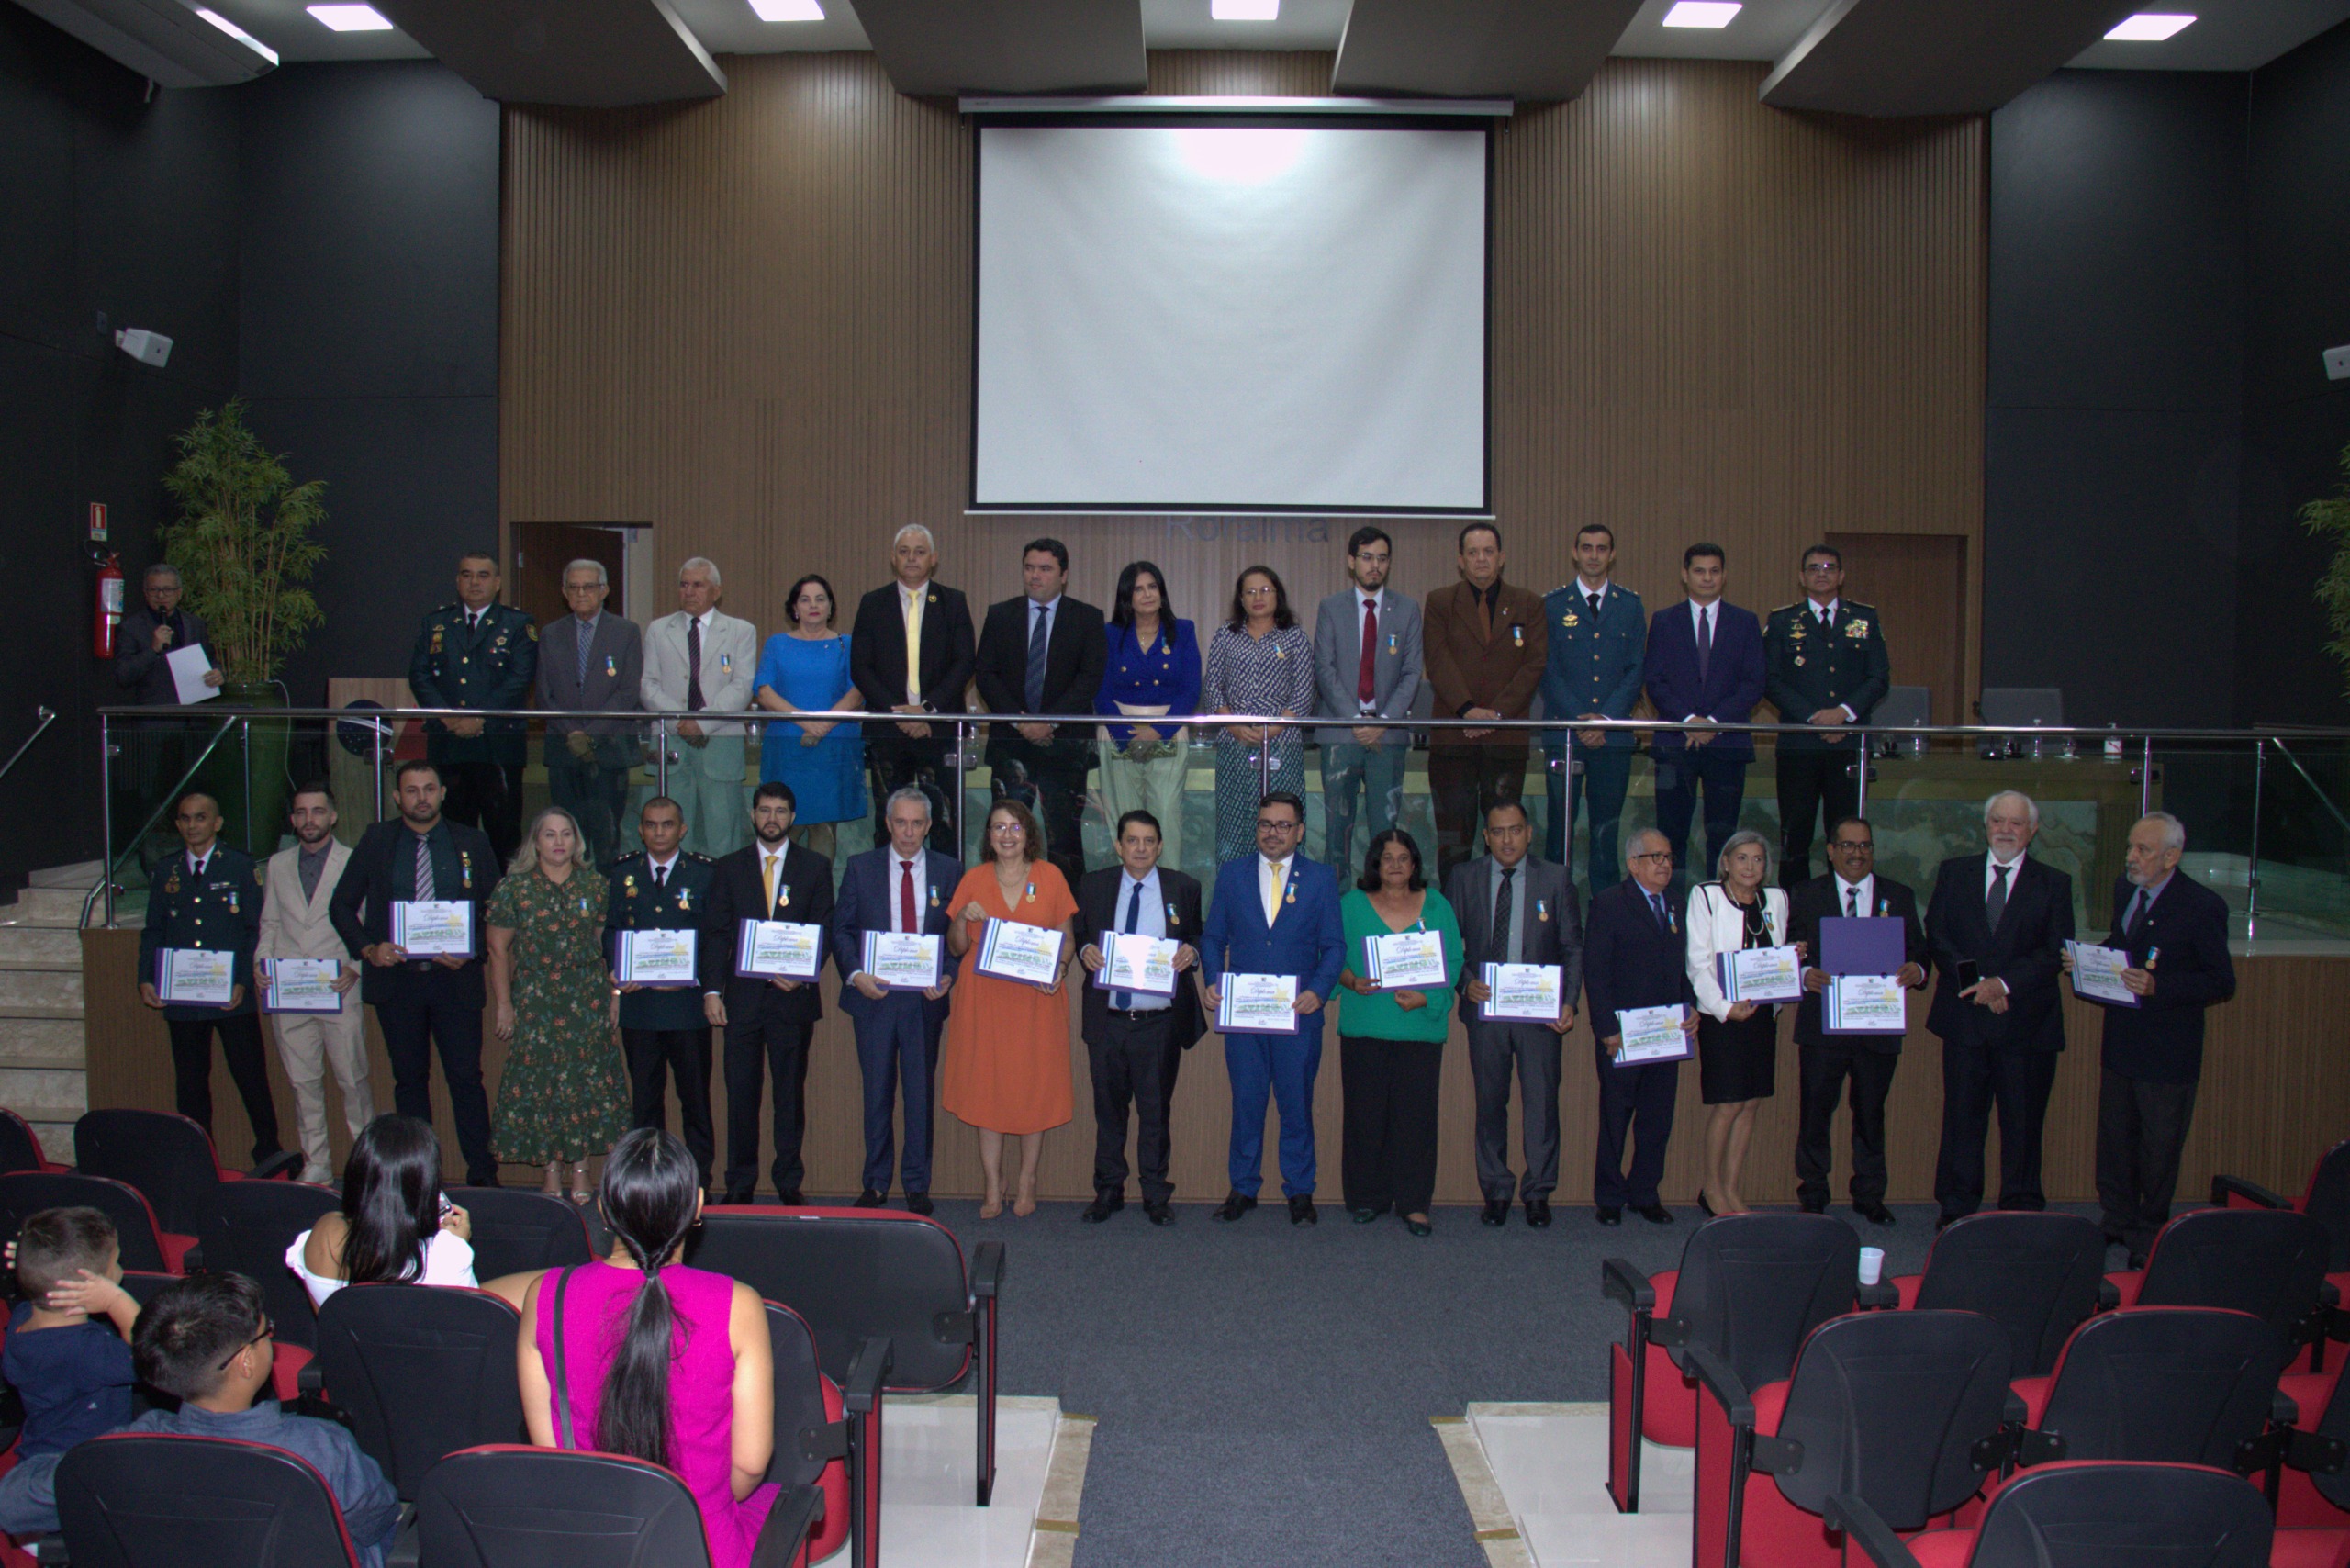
[
  {"x": 1244, "y": 10},
  {"x": 2149, "y": 26},
  {"x": 787, "y": 10},
  {"x": 1701, "y": 14},
  {"x": 242, "y": 37},
  {"x": 351, "y": 19}
]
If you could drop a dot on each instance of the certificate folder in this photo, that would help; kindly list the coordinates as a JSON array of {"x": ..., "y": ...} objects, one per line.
[{"x": 1864, "y": 944}]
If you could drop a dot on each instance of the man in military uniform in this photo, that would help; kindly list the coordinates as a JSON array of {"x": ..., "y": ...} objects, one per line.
[
  {"x": 477, "y": 654},
  {"x": 1824, "y": 665},
  {"x": 664, "y": 888},
  {"x": 210, "y": 896},
  {"x": 1598, "y": 640}
]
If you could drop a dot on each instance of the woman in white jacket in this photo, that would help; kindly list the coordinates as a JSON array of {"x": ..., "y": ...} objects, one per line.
[{"x": 1738, "y": 1043}]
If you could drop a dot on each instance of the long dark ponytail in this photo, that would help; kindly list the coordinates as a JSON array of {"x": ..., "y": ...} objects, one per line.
[
  {"x": 649, "y": 1188},
  {"x": 391, "y": 1200}
]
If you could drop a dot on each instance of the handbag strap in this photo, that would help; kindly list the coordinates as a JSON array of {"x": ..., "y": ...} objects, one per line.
[{"x": 562, "y": 1374}]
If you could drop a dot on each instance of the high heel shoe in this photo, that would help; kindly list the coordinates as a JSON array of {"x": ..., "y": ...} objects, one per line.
[{"x": 1704, "y": 1207}]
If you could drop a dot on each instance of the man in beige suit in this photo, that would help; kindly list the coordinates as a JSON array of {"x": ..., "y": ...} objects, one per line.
[
  {"x": 696, "y": 661},
  {"x": 296, "y": 887}
]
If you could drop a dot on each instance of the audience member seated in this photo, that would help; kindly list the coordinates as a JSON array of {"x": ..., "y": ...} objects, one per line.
[
  {"x": 395, "y": 1225},
  {"x": 206, "y": 1341},
  {"x": 666, "y": 1363},
  {"x": 73, "y": 1373}
]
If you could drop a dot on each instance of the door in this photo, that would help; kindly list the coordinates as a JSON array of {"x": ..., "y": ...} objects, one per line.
[
  {"x": 1917, "y": 582},
  {"x": 542, "y": 550}
]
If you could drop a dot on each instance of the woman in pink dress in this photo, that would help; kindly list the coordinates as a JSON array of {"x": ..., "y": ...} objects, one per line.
[{"x": 666, "y": 1363}]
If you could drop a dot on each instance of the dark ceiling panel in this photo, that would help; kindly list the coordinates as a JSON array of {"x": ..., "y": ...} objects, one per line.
[
  {"x": 591, "y": 53},
  {"x": 1933, "y": 57},
  {"x": 934, "y": 48},
  {"x": 1528, "y": 50}
]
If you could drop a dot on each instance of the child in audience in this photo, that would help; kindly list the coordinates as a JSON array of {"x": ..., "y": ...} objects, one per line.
[
  {"x": 72, "y": 1371},
  {"x": 206, "y": 1339}
]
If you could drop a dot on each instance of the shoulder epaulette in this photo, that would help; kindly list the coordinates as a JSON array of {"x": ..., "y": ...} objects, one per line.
[{"x": 697, "y": 854}]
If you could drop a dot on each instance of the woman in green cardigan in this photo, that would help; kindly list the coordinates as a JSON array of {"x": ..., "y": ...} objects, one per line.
[{"x": 1391, "y": 1043}]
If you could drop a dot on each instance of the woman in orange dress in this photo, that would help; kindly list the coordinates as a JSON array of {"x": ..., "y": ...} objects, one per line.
[{"x": 1007, "y": 1044}]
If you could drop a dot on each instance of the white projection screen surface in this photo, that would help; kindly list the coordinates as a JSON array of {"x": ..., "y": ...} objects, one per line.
[{"x": 1256, "y": 318}]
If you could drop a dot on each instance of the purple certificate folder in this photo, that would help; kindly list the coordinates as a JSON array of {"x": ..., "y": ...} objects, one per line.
[{"x": 1866, "y": 945}]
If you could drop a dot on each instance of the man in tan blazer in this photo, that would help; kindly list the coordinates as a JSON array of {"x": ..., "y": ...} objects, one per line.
[
  {"x": 1484, "y": 643},
  {"x": 297, "y": 889},
  {"x": 701, "y": 661}
]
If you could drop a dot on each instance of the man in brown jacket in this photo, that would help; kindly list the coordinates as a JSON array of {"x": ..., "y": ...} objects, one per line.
[{"x": 1485, "y": 645}]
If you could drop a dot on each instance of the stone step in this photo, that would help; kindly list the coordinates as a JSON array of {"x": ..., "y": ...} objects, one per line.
[
  {"x": 42, "y": 1042},
  {"x": 78, "y": 876},
  {"x": 47, "y": 990},
  {"x": 46, "y": 906},
  {"x": 54, "y": 1089},
  {"x": 40, "y": 947}
]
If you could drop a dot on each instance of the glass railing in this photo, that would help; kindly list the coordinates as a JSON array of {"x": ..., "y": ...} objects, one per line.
[{"x": 2266, "y": 814}]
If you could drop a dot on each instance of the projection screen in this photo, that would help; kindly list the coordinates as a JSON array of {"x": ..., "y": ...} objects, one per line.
[{"x": 1203, "y": 316}]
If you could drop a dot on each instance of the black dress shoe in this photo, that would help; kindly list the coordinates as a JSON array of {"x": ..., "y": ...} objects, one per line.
[
  {"x": 489, "y": 1180},
  {"x": 919, "y": 1203},
  {"x": 1610, "y": 1214},
  {"x": 1103, "y": 1206},
  {"x": 1875, "y": 1214},
  {"x": 1301, "y": 1210},
  {"x": 1943, "y": 1221},
  {"x": 1419, "y": 1228},
  {"x": 1537, "y": 1212},
  {"x": 1362, "y": 1216},
  {"x": 1809, "y": 1205},
  {"x": 1235, "y": 1204},
  {"x": 1158, "y": 1214},
  {"x": 1655, "y": 1214},
  {"x": 791, "y": 1198},
  {"x": 736, "y": 1198},
  {"x": 1495, "y": 1212},
  {"x": 869, "y": 1199}
]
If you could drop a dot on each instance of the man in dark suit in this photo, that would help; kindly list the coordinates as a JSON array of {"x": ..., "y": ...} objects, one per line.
[
  {"x": 1482, "y": 645},
  {"x": 769, "y": 1021},
  {"x": 1635, "y": 955},
  {"x": 1275, "y": 912},
  {"x": 1593, "y": 629},
  {"x": 1705, "y": 663},
  {"x": 2175, "y": 932},
  {"x": 1998, "y": 924},
  {"x": 897, "y": 887},
  {"x": 477, "y": 654},
  {"x": 1134, "y": 1041},
  {"x": 1044, "y": 653},
  {"x": 591, "y": 662},
  {"x": 663, "y": 1032},
  {"x": 153, "y": 754},
  {"x": 911, "y": 653},
  {"x": 1515, "y": 909},
  {"x": 1852, "y": 888},
  {"x": 1825, "y": 664},
  {"x": 420, "y": 1003}
]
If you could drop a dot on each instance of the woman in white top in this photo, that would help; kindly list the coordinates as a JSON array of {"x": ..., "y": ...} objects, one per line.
[
  {"x": 395, "y": 1225},
  {"x": 1738, "y": 1042}
]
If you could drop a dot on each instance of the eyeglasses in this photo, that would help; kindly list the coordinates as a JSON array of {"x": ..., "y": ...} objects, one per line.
[
  {"x": 1005, "y": 827},
  {"x": 268, "y": 1330},
  {"x": 1651, "y": 854},
  {"x": 1862, "y": 845},
  {"x": 1275, "y": 824},
  {"x": 1823, "y": 566}
]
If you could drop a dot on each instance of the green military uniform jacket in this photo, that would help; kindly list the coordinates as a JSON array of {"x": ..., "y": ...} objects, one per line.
[
  {"x": 491, "y": 665},
  {"x": 1807, "y": 668},
  {"x": 634, "y": 905},
  {"x": 219, "y": 908}
]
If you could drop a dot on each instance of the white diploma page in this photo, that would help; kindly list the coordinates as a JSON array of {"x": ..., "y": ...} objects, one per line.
[
  {"x": 196, "y": 977},
  {"x": 302, "y": 985},
  {"x": 778, "y": 949},
  {"x": 1406, "y": 960},
  {"x": 2097, "y": 974},
  {"x": 1143, "y": 964},
  {"x": 433, "y": 928},
  {"x": 1025, "y": 954},
  {"x": 657, "y": 957},
  {"x": 1256, "y": 1004},
  {"x": 902, "y": 962},
  {"x": 1761, "y": 974},
  {"x": 1651, "y": 1034},
  {"x": 1865, "y": 1004},
  {"x": 1523, "y": 993},
  {"x": 189, "y": 666}
]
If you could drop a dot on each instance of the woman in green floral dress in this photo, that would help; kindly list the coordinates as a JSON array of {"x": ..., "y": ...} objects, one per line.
[{"x": 564, "y": 1097}]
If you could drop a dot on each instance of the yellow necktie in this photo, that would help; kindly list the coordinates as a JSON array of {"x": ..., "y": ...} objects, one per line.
[
  {"x": 914, "y": 645},
  {"x": 1273, "y": 869},
  {"x": 766, "y": 873}
]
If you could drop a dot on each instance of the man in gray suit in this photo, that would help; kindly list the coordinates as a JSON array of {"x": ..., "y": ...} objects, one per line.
[
  {"x": 1514, "y": 909},
  {"x": 701, "y": 661},
  {"x": 591, "y": 662},
  {"x": 1367, "y": 668}
]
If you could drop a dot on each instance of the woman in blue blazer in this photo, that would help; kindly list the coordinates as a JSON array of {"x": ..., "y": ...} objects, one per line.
[{"x": 1152, "y": 669}]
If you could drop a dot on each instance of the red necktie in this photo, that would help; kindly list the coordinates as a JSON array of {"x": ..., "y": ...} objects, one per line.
[
  {"x": 906, "y": 899},
  {"x": 1366, "y": 687}
]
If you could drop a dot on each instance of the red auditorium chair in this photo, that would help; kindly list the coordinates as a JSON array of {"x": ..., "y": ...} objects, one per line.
[
  {"x": 20, "y": 1148},
  {"x": 2088, "y": 1515},
  {"x": 530, "y": 1508},
  {"x": 2315, "y": 1488},
  {"x": 1908, "y": 1412},
  {"x": 147, "y": 1247},
  {"x": 421, "y": 1372},
  {"x": 287, "y": 1359},
  {"x": 2038, "y": 1275},
  {"x": 159, "y": 1500},
  {"x": 169, "y": 1157},
  {"x": 2326, "y": 1200},
  {"x": 1750, "y": 1287},
  {"x": 246, "y": 1231},
  {"x": 829, "y": 1437},
  {"x": 860, "y": 1274},
  {"x": 515, "y": 1230},
  {"x": 2269, "y": 1262}
]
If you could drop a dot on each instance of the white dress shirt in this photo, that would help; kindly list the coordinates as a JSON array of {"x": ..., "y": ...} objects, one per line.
[
  {"x": 1856, "y": 897},
  {"x": 2014, "y": 870},
  {"x": 1272, "y": 878},
  {"x": 1151, "y": 920},
  {"x": 898, "y": 865}
]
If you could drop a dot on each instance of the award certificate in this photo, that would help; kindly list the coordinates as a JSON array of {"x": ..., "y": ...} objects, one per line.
[
  {"x": 437, "y": 928},
  {"x": 1025, "y": 954},
  {"x": 1865, "y": 1004},
  {"x": 1523, "y": 993},
  {"x": 901, "y": 962},
  {"x": 1407, "y": 960},
  {"x": 1256, "y": 1004},
  {"x": 661, "y": 958},
  {"x": 777, "y": 949},
  {"x": 2097, "y": 974},
  {"x": 302, "y": 985},
  {"x": 1651, "y": 1034},
  {"x": 1760, "y": 974},
  {"x": 196, "y": 977},
  {"x": 1142, "y": 965}
]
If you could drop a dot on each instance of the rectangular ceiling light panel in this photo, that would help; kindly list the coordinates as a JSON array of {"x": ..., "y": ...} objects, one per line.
[
  {"x": 1244, "y": 10},
  {"x": 787, "y": 10},
  {"x": 1701, "y": 14},
  {"x": 352, "y": 18},
  {"x": 2149, "y": 26}
]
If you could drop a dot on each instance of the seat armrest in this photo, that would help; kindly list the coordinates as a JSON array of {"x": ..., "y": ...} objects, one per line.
[
  {"x": 312, "y": 1379},
  {"x": 987, "y": 1270},
  {"x": 282, "y": 1166},
  {"x": 2225, "y": 1190},
  {"x": 2284, "y": 1410},
  {"x": 789, "y": 1524},
  {"x": 49, "y": 1550},
  {"x": 1620, "y": 1282},
  {"x": 1715, "y": 1375},
  {"x": 2108, "y": 1294},
  {"x": 182, "y": 1254},
  {"x": 1882, "y": 1296},
  {"x": 869, "y": 1372},
  {"x": 2016, "y": 1413},
  {"x": 407, "y": 1551},
  {"x": 1863, "y": 1525}
]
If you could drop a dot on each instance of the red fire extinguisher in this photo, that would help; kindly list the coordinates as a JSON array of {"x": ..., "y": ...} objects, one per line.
[{"x": 109, "y": 615}]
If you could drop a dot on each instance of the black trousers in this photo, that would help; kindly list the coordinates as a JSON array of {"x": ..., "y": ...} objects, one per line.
[
  {"x": 1058, "y": 794},
  {"x": 1823, "y": 1071},
  {"x": 1388, "y": 1156},
  {"x": 1535, "y": 1052},
  {"x": 2014, "y": 1079},
  {"x": 241, "y": 1049},
  {"x": 430, "y": 1006},
  {"x": 654, "y": 1057},
  {"x": 1812, "y": 785},
  {"x": 1133, "y": 1063},
  {"x": 1463, "y": 784},
  {"x": 1639, "y": 1100},
  {"x": 488, "y": 795},
  {"x": 2140, "y": 1127},
  {"x": 779, "y": 1048},
  {"x": 894, "y": 761}
]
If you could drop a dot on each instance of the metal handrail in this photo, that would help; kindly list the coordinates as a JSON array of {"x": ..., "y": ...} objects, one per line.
[
  {"x": 2315, "y": 788},
  {"x": 230, "y": 719},
  {"x": 47, "y": 718}
]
